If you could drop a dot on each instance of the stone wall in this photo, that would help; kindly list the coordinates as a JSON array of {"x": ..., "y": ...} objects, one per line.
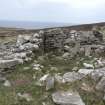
[
  {"x": 71, "y": 41},
  {"x": 53, "y": 40}
]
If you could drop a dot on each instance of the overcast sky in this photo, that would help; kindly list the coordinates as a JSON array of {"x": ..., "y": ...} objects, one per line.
[{"x": 67, "y": 11}]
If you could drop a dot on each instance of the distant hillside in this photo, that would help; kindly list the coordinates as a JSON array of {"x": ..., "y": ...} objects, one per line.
[
  {"x": 31, "y": 25},
  {"x": 9, "y": 31},
  {"x": 84, "y": 27}
]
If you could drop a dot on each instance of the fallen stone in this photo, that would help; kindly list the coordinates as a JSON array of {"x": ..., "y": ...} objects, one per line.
[
  {"x": 25, "y": 96},
  {"x": 97, "y": 73},
  {"x": 86, "y": 65},
  {"x": 50, "y": 82},
  {"x": 29, "y": 46},
  {"x": 8, "y": 63},
  {"x": 72, "y": 76},
  {"x": 75, "y": 69},
  {"x": 22, "y": 39},
  {"x": 7, "y": 83},
  {"x": 85, "y": 71},
  {"x": 44, "y": 77},
  {"x": 67, "y": 98}
]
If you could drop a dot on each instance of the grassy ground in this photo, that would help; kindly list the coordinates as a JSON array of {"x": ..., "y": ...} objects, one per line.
[
  {"x": 22, "y": 81},
  {"x": 7, "y": 39}
]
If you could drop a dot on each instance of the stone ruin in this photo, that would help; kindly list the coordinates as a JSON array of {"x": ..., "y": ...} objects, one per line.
[
  {"x": 74, "y": 42},
  {"x": 53, "y": 40},
  {"x": 69, "y": 44}
]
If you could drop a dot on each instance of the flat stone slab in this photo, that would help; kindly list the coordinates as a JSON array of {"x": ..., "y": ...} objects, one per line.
[
  {"x": 67, "y": 98},
  {"x": 8, "y": 63},
  {"x": 72, "y": 76},
  {"x": 98, "y": 73},
  {"x": 85, "y": 71}
]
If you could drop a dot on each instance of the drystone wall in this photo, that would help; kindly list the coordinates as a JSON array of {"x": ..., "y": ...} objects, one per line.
[
  {"x": 53, "y": 40},
  {"x": 57, "y": 39}
]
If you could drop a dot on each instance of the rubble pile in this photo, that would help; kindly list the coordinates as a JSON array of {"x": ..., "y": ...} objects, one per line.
[{"x": 19, "y": 52}]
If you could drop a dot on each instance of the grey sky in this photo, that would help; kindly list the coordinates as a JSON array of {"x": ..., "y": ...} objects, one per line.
[{"x": 71, "y": 11}]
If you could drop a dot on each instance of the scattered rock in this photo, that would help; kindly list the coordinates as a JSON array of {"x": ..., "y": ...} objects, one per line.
[
  {"x": 29, "y": 46},
  {"x": 72, "y": 76},
  {"x": 75, "y": 69},
  {"x": 67, "y": 98},
  {"x": 8, "y": 63},
  {"x": 50, "y": 82},
  {"x": 85, "y": 71},
  {"x": 44, "y": 77},
  {"x": 22, "y": 39},
  {"x": 7, "y": 83},
  {"x": 37, "y": 67},
  {"x": 86, "y": 65},
  {"x": 97, "y": 74},
  {"x": 25, "y": 96}
]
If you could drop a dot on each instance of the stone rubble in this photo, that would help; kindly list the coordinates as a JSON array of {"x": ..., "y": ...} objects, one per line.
[{"x": 19, "y": 52}]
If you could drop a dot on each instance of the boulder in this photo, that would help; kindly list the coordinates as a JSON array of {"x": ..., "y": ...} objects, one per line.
[
  {"x": 72, "y": 76},
  {"x": 97, "y": 73},
  {"x": 7, "y": 83},
  {"x": 22, "y": 39},
  {"x": 35, "y": 38},
  {"x": 85, "y": 71},
  {"x": 21, "y": 55},
  {"x": 29, "y": 46},
  {"x": 88, "y": 66},
  {"x": 67, "y": 98}
]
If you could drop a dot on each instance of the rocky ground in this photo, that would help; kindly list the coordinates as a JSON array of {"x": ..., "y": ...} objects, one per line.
[{"x": 73, "y": 74}]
